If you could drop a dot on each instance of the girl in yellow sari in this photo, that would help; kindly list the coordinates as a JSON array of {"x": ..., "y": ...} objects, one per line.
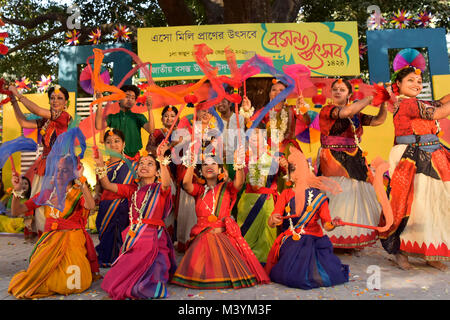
[{"x": 63, "y": 260}]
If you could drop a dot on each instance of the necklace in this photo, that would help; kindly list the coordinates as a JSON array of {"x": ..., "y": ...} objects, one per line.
[
  {"x": 212, "y": 217},
  {"x": 135, "y": 226},
  {"x": 273, "y": 121},
  {"x": 114, "y": 176},
  {"x": 297, "y": 235}
]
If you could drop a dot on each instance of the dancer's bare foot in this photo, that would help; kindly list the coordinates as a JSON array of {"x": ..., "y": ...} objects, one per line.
[
  {"x": 402, "y": 261},
  {"x": 357, "y": 252},
  {"x": 438, "y": 265}
]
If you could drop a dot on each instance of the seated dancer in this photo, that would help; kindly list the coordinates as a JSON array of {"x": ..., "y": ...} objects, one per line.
[
  {"x": 218, "y": 256},
  {"x": 10, "y": 224},
  {"x": 340, "y": 158},
  {"x": 147, "y": 259},
  {"x": 63, "y": 260},
  {"x": 258, "y": 200},
  {"x": 51, "y": 124},
  {"x": 185, "y": 205},
  {"x": 420, "y": 181},
  {"x": 280, "y": 122},
  {"x": 112, "y": 216},
  {"x": 127, "y": 121},
  {"x": 302, "y": 256}
]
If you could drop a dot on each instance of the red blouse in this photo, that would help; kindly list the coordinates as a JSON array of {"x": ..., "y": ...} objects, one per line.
[
  {"x": 203, "y": 206},
  {"x": 414, "y": 116},
  {"x": 127, "y": 190},
  {"x": 312, "y": 228}
]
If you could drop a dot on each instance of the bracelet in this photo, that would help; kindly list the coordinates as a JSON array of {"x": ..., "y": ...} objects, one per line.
[
  {"x": 247, "y": 114},
  {"x": 238, "y": 166},
  {"x": 101, "y": 172},
  {"x": 18, "y": 194},
  {"x": 80, "y": 181},
  {"x": 164, "y": 161}
]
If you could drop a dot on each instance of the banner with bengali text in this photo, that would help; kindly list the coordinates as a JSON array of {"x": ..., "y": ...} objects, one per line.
[{"x": 327, "y": 48}]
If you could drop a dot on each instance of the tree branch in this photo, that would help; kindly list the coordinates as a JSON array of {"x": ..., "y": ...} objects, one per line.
[
  {"x": 35, "y": 40},
  {"x": 33, "y": 23}
]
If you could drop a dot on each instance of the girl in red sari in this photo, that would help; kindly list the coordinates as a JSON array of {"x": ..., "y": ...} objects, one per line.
[
  {"x": 340, "y": 158},
  {"x": 218, "y": 255},
  {"x": 420, "y": 181},
  {"x": 52, "y": 123}
]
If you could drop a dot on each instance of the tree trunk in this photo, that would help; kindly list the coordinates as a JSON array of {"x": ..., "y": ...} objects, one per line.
[{"x": 177, "y": 13}]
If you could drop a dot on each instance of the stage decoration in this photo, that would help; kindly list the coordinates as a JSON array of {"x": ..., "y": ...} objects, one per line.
[
  {"x": 401, "y": 19},
  {"x": 3, "y": 36},
  {"x": 357, "y": 93},
  {"x": 376, "y": 21},
  {"x": 408, "y": 58},
  {"x": 86, "y": 79},
  {"x": 362, "y": 51},
  {"x": 4, "y": 91},
  {"x": 94, "y": 36},
  {"x": 72, "y": 37},
  {"x": 121, "y": 33},
  {"x": 319, "y": 99},
  {"x": 44, "y": 84},
  {"x": 22, "y": 84},
  {"x": 424, "y": 19}
]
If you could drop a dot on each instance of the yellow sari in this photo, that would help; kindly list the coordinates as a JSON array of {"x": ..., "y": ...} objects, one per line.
[{"x": 58, "y": 263}]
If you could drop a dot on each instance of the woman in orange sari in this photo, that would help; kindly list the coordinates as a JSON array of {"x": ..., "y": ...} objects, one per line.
[{"x": 63, "y": 260}]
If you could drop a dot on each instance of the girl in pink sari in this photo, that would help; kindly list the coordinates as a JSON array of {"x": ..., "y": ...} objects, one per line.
[{"x": 147, "y": 260}]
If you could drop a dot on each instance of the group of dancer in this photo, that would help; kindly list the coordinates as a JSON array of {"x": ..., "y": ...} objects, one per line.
[{"x": 249, "y": 219}]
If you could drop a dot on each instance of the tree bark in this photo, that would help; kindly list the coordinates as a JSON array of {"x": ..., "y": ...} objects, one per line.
[
  {"x": 177, "y": 13},
  {"x": 246, "y": 11},
  {"x": 213, "y": 11}
]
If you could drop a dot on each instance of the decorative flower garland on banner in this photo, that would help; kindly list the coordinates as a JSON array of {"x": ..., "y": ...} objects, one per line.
[
  {"x": 72, "y": 37},
  {"x": 44, "y": 84},
  {"x": 401, "y": 19},
  {"x": 121, "y": 33},
  {"x": 95, "y": 35}
]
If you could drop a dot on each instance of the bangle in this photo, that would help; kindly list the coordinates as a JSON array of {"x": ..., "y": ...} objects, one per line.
[
  {"x": 18, "y": 194},
  {"x": 80, "y": 181},
  {"x": 101, "y": 172},
  {"x": 247, "y": 114},
  {"x": 164, "y": 161}
]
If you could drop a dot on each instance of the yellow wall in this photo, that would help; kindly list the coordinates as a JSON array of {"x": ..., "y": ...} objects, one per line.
[{"x": 441, "y": 86}]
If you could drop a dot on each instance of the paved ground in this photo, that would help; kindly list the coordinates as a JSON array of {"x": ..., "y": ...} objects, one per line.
[{"x": 421, "y": 283}]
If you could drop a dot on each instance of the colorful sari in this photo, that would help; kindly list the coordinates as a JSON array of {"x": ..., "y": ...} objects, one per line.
[
  {"x": 63, "y": 260},
  {"x": 308, "y": 262},
  {"x": 147, "y": 259},
  {"x": 49, "y": 129},
  {"x": 420, "y": 185},
  {"x": 342, "y": 160},
  {"x": 218, "y": 260},
  {"x": 112, "y": 217},
  {"x": 256, "y": 206}
]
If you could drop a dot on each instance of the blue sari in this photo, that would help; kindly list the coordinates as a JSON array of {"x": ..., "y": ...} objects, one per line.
[{"x": 112, "y": 217}]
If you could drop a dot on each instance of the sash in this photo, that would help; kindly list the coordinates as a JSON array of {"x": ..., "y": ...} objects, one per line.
[
  {"x": 133, "y": 235},
  {"x": 219, "y": 199},
  {"x": 112, "y": 209}
]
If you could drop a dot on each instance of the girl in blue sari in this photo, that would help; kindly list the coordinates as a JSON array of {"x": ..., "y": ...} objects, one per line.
[{"x": 112, "y": 217}]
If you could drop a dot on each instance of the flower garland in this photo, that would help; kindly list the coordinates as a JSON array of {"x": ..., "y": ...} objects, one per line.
[
  {"x": 273, "y": 121},
  {"x": 212, "y": 217},
  {"x": 259, "y": 171},
  {"x": 297, "y": 235},
  {"x": 135, "y": 226}
]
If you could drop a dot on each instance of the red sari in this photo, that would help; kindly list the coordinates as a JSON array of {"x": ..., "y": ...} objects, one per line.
[{"x": 218, "y": 260}]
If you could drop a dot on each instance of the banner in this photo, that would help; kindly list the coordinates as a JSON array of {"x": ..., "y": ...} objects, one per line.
[{"x": 327, "y": 48}]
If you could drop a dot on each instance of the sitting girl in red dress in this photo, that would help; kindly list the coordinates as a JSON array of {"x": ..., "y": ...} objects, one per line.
[{"x": 218, "y": 256}]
